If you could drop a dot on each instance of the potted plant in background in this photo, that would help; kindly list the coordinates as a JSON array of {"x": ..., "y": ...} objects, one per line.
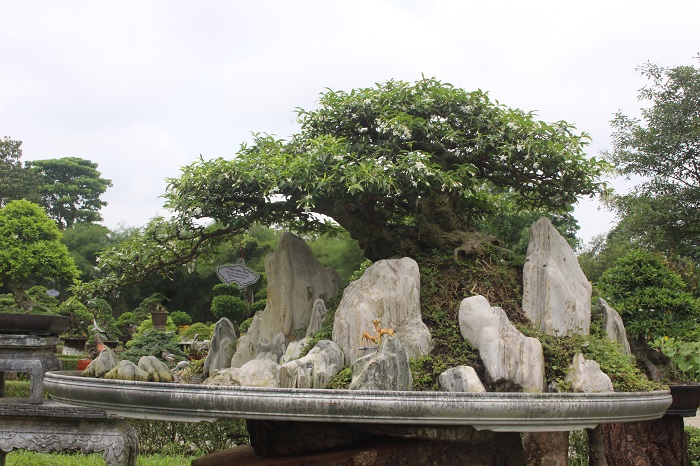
[
  {"x": 684, "y": 375},
  {"x": 31, "y": 253}
]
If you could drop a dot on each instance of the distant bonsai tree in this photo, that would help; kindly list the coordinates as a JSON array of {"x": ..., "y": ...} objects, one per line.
[{"x": 31, "y": 251}]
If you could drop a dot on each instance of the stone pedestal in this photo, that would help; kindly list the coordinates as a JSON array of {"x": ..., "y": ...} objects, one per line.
[
  {"x": 52, "y": 426},
  {"x": 31, "y": 354}
]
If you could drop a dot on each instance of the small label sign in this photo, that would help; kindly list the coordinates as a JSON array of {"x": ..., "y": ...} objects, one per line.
[{"x": 238, "y": 274}]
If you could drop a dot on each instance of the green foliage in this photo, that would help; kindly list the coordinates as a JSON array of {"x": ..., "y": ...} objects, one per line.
[
  {"x": 24, "y": 458},
  {"x": 30, "y": 248},
  {"x": 231, "y": 307},
  {"x": 341, "y": 380},
  {"x": 17, "y": 389},
  {"x": 693, "y": 436},
  {"x": 652, "y": 299},
  {"x": 146, "y": 326},
  {"x": 198, "y": 328},
  {"x": 85, "y": 241},
  {"x": 70, "y": 189},
  {"x": 149, "y": 304},
  {"x": 80, "y": 317},
  {"x": 559, "y": 352},
  {"x": 245, "y": 325},
  {"x": 684, "y": 356},
  {"x": 152, "y": 343},
  {"x": 227, "y": 290},
  {"x": 578, "y": 448},
  {"x": 180, "y": 318},
  {"x": 340, "y": 252},
  {"x": 663, "y": 148},
  {"x": 16, "y": 181},
  {"x": 363, "y": 154},
  {"x": 127, "y": 323},
  {"x": 188, "y": 438}
]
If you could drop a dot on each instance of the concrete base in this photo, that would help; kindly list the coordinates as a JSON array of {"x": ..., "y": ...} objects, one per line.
[
  {"x": 52, "y": 427},
  {"x": 31, "y": 354}
]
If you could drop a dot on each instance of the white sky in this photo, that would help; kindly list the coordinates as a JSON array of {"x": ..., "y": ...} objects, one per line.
[{"x": 144, "y": 87}]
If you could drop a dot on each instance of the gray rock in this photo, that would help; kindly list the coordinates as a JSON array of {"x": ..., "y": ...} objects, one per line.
[
  {"x": 296, "y": 279},
  {"x": 294, "y": 350},
  {"x": 260, "y": 373},
  {"x": 318, "y": 313},
  {"x": 460, "y": 379},
  {"x": 156, "y": 369},
  {"x": 386, "y": 369},
  {"x": 230, "y": 376},
  {"x": 105, "y": 362},
  {"x": 509, "y": 357},
  {"x": 127, "y": 370},
  {"x": 222, "y": 347},
  {"x": 556, "y": 293},
  {"x": 315, "y": 369},
  {"x": 585, "y": 376},
  {"x": 613, "y": 326},
  {"x": 389, "y": 291}
]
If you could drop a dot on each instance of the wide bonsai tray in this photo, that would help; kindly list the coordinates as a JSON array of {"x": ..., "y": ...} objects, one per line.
[{"x": 30, "y": 324}]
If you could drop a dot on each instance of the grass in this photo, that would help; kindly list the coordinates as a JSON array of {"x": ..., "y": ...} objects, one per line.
[{"x": 30, "y": 458}]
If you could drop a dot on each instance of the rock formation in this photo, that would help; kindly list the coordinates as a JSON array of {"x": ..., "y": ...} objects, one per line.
[
  {"x": 127, "y": 370},
  {"x": 385, "y": 369},
  {"x": 315, "y": 369},
  {"x": 296, "y": 279},
  {"x": 105, "y": 362},
  {"x": 222, "y": 347},
  {"x": 155, "y": 368},
  {"x": 613, "y": 326},
  {"x": 585, "y": 376},
  {"x": 460, "y": 379},
  {"x": 389, "y": 291},
  {"x": 556, "y": 293},
  {"x": 508, "y": 355}
]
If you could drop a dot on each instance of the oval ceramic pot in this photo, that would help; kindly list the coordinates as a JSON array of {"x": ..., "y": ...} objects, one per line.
[
  {"x": 29, "y": 324},
  {"x": 686, "y": 399}
]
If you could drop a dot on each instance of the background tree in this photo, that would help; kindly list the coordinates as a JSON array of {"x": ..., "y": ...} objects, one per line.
[
  {"x": 84, "y": 241},
  {"x": 70, "y": 189},
  {"x": 663, "y": 147},
  {"x": 31, "y": 252},
  {"x": 16, "y": 181}
]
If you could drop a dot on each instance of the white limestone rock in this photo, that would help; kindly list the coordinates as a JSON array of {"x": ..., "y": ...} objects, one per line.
[
  {"x": 460, "y": 379},
  {"x": 295, "y": 280},
  {"x": 294, "y": 350},
  {"x": 508, "y": 355},
  {"x": 127, "y": 370},
  {"x": 156, "y": 369},
  {"x": 388, "y": 291},
  {"x": 613, "y": 326},
  {"x": 105, "y": 362},
  {"x": 222, "y": 347},
  {"x": 230, "y": 377},
  {"x": 385, "y": 369},
  {"x": 318, "y": 313},
  {"x": 315, "y": 369},
  {"x": 260, "y": 373},
  {"x": 585, "y": 376},
  {"x": 556, "y": 293}
]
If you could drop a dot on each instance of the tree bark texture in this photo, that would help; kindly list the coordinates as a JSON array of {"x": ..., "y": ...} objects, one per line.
[{"x": 660, "y": 442}]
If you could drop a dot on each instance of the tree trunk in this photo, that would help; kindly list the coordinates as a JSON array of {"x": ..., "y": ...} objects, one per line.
[
  {"x": 546, "y": 448},
  {"x": 660, "y": 442},
  {"x": 23, "y": 300}
]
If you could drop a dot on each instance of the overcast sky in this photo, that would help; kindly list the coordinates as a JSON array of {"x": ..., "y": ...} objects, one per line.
[{"x": 144, "y": 87}]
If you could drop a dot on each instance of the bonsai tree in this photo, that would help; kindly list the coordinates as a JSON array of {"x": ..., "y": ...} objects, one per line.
[
  {"x": 31, "y": 251},
  {"x": 403, "y": 167}
]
